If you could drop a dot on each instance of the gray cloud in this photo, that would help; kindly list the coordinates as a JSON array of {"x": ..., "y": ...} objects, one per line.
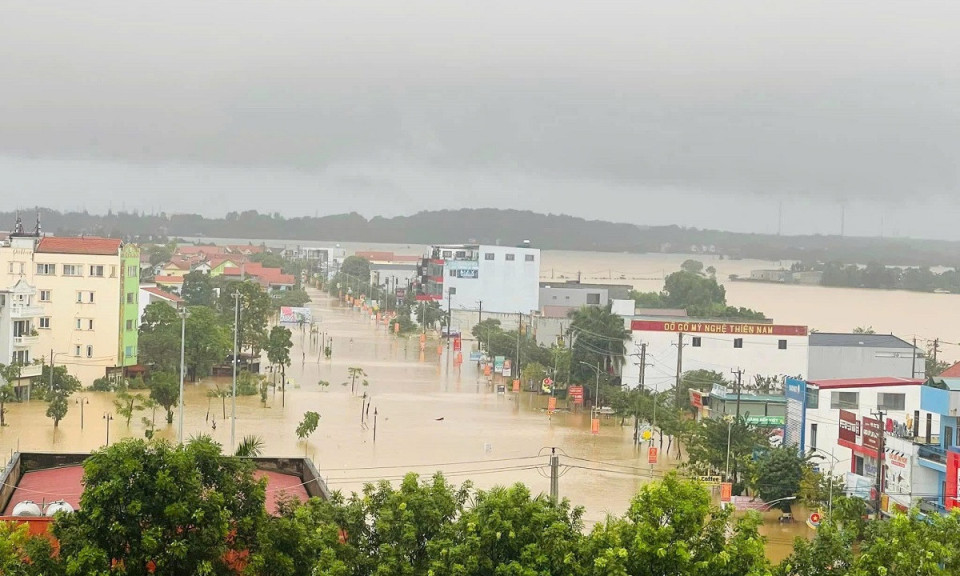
[{"x": 389, "y": 107}]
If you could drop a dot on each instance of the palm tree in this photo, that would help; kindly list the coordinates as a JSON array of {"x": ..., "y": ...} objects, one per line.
[
  {"x": 598, "y": 336},
  {"x": 250, "y": 447}
]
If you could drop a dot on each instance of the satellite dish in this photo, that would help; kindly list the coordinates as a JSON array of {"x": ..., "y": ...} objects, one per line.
[
  {"x": 27, "y": 508},
  {"x": 59, "y": 506}
]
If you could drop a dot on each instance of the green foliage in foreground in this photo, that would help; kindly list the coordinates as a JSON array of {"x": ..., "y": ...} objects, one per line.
[{"x": 150, "y": 507}]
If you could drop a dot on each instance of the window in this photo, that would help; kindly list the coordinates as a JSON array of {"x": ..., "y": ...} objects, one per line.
[
  {"x": 89, "y": 324},
  {"x": 129, "y": 325},
  {"x": 132, "y": 271},
  {"x": 813, "y": 398},
  {"x": 113, "y": 271},
  {"x": 128, "y": 351},
  {"x": 782, "y": 344},
  {"x": 738, "y": 342},
  {"x": 90, "y": 297},
  {"x": 593, "y": 298},
  {"x": 528, "y": 258},
  {"x": 130, "y": 299},
  {"x": 460, "y": 254},
  {"x": 89, "y": 351},
  {"x": 447, "y": 254},
  {"x": 489, "y": 256},
  {"x": 453, "y": 273},
  {"x": 45, "y": 295},
  {"x": 890, "y": 401},
  {"x": 858, "y": 465},
  {"x": 45, "y": 322},
  {"x": 84, "y": 297},
  {"x": 76, "y": 350},
  {"x": 96, "y": 271},
  {"x": 42, "y": 269},
  {"x": 10, "y": 268},
  {"x": 21, "y": 267},
  {"x": 813, "y": 436},
  {"x": 79, "y": 296},
  {"x": 696, "y": 342},
  {"x": 511, "y": 257},
  {"x": 78, "y": 323},
  {"x": 72, "y": 270},
  {"x": 845, "y": 400}
]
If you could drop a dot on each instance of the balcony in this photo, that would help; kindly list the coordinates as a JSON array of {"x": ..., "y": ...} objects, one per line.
[
  {"x": 31, "y": 371},
  {"x": 932, "y": 453},
  {"x": 25, "y": 341},
  {"x": 19, "y": 312}
]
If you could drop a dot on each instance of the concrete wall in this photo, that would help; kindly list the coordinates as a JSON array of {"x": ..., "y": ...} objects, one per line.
[{"x": 862, "y": 362}]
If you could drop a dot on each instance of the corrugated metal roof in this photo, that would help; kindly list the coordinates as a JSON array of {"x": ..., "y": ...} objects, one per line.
[
  {"x": 858, "y": 340},
  {"x": 865, "y": 382}
]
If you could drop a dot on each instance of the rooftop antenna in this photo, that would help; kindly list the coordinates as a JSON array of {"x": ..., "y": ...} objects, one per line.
[
  {"x": 37, "y": 230},
  {"x": 18, "y": 227}
]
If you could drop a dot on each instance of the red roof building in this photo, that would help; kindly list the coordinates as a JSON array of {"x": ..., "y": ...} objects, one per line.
[
  {"x": 80, "y": 245},
  {"x": 951, "y": 372}
]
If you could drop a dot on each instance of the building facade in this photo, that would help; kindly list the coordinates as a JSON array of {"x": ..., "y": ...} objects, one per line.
[
  {"x": 766, "y": 350},
  {"x": 558, "y": 298},
  {"x": 88, "y": 290},
  {"x": 834, "y": 356},
  {"x": 19, "y": 320},
  {"x": 498, "y": 278}
]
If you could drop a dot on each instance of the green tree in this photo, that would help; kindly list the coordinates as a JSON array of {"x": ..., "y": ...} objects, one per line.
[
  {"x": 197, "y": 290},
  {"x": 158, "y": 254},
  {"x": 63, "y": 382},
  {"x": 483, "y": 330},
  {"x": 355, "y": 373},
  {"x": 692, "y": 266},
  {"x": 598, "y": 336},
  {"x": 308, "y": 425},
  {"x": 126, "y": 404},
  {"x": 8, "y": 375},
  {"x": 159, "y": 339},
  {"x": 933, "y": 366},
  {"x": 707, "y": 449},
  {"x": 779, "y": 472},
  {"x": 207, "y": 342},
  {"x": 830, "y": 553},
  {"x": 864, "y": 330},
  {"x": 57, "y": 408},
  {"x": 278, "y": 348},
  {"x": 297, "y": 297},
  {"x": 181, "y": 509},
  {"x": 250, "y": 446},
  {"x": 356, "y": 268},
  {"x": 507, "y": 531},
  {"x": 430, "y": 314},
  {"x": 671, "y": 528},
  {"x": 256, "y": 308},
  {"x": 165, "y": 390}
]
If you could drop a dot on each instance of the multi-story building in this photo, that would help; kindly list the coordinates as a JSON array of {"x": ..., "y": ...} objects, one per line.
[
  {"x": 835, "y": 356},
  {"x": 88, "y": 290},
  {"x": 557, "y": 299},
  {"x": 19, "y": 320},
  {"x": 498, "y": 278}
]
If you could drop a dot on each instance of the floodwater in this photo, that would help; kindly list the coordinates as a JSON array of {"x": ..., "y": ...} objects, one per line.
[{"x": 431, "y": 415}]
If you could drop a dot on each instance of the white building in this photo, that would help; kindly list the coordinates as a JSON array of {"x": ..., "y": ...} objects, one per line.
[
  {"x": 150, "y": 293},
  {"x": 500, "y": 278},
  {"x": 757, "y": 349},
  {"x": 839, "y": 420},
  {"x": 835, "y": 356},
  {"x": 19, "y": 320}
]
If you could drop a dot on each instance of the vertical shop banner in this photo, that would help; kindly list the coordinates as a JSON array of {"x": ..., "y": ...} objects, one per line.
[
  {"x": 849, "y": 426},
  {"x": 652, "y": 455}
]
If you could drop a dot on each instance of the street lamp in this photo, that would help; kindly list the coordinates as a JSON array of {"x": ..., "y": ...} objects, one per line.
[
  {"x": 769, "y": 505},
  {"x": 596, "y": 400},
  {"x": 107, "y": 417},
  {"x": 233, "y": 401},
  {"x": 821, "y": 453},
  {"x": 81, "y": 401},
  {"x": 183, "y": 338},
  {"x": 729, "y": 430}
]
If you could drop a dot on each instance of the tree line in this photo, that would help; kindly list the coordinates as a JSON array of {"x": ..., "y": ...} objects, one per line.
[
  {"x": 152, "y": 508},
  {"x": 696, "y": 291},
  {"x": 557, "y": 232}
]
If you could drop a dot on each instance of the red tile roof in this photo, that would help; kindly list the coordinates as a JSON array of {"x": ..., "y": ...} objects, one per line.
[
  {"x": 80, "y": 245},
  {"x": 951, "y": 372},
  {"x": 865, "y": 382},
  {"x": 168, "y": 279},
  {"x": 162, "y": 293}
]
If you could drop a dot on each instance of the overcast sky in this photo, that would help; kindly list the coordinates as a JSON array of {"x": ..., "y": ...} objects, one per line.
[{"x": 709, "y": 114}]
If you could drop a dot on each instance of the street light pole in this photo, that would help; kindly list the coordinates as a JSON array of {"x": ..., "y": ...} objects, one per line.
[
  {"x": 108, "y": 417},
  {"x": 834, "y": 461},
  {"x": 183, "y": 336},
  {"x": 596, "y": 399},
  {"x": 81, "y": 401},
  {"x": 233, "y": 402}
]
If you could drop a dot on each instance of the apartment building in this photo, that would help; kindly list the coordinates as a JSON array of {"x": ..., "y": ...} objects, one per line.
[
  {"x": 87, "y": 288},
  {"x": 19, "y": 318}
]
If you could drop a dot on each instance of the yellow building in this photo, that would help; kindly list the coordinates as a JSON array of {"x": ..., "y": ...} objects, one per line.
[{"x": 88, "y": 290}]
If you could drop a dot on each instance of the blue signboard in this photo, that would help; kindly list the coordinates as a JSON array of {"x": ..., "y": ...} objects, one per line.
[{"x": 796, "y": 418}]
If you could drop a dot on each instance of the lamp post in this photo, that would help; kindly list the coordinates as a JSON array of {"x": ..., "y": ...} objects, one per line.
[
  {"x": 770, "y": 504},
  {"x": 596, "y": 400},
  {"x": 821, "y": 453},
  {"x": 81, "y": 401},
  {"x": 183, "y": 338},
  {"x": 107, "y": 417},
  {"x": 233, "y": 401},
  {"x": 729, "y": 420}
]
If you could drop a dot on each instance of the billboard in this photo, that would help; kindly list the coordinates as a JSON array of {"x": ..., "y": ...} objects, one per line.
[
  {"x": 291, "y": 315},
  {"x": 849, "y": 427},
  {"x": 498, "y": 362},
  {"x": 871, "y": 433},
  {"x": 718, "y": 328},
  {"x": 795, "y": 422}
]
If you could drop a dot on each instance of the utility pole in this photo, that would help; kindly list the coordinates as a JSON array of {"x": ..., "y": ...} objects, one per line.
[
  {"x": 480, "y": 321},
  {"x": 913, "y": 369},
  {"x": 449, "y": 300},
  {"x": 739, "y": 374},
  {"x": 374, "y": 425},
  {"x": 643, "y": 364},
  {"x": 554, "y": 475},
  {"x": 519, "y": 329},
  {"x": 183, "y": 341},
  {"x": 679, "y": 369},
  {"x": 880, "y": 453},
  {"x": 936, "y": 348}
]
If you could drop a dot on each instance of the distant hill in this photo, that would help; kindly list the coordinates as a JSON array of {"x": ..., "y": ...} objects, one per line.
[{"x": 548, "y": 231}]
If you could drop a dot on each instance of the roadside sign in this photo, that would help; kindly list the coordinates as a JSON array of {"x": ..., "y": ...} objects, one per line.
[
  {"x": 516, "y": 385},
  {"x": 652, "y": 455},
  {"x": 575, "y": 393},
  {"x": 814, "y": 520},
  {"x": 726, "y": 491},
  {"x": 552, "y": 405},
  {"x": 595, "y": 426}
]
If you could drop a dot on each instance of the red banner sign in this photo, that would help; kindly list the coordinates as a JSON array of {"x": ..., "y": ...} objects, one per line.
[
  {"x": 871, "y": 434},
  {"x": 575, "y": 393},
  {"x": 849, "y": 427},
  {"x": 718, "y": 328},
  {"x": 595, "y": 426},
  {"x": 652, "y": 455},
  {"x": 457, "y": 344},
  {"x": 696, "y": 398},
  {"x": 726, "y": 491}
]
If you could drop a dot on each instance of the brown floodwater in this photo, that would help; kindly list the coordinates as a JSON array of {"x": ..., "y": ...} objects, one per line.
[{"x": 430, "y": 416}]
